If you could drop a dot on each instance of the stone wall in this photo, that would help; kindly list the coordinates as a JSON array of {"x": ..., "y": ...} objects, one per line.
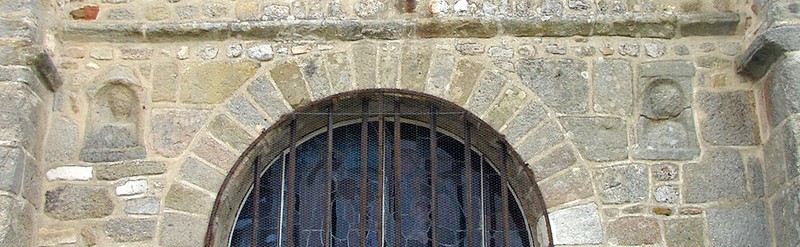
[{"x": 631, "y": 113}]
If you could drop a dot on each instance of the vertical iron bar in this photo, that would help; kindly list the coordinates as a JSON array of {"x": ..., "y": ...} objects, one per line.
[
  {"x": 483, "y": 205},
  {"x": 379, "y": 219},
  {"x": 504, "y": 193},
  {"x": 398, "y": 176},
  {"x": 256, "y": 201},
  {"x": 468, "y": 174},
  {"x": 434, "y": 232},
  {"x": 364, "y": 170},
  {"x": 328, "y": 181},
  {"x": 290, "y": 186}
]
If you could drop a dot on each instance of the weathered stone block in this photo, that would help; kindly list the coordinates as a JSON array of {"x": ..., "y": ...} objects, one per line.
[
  {"x": 775, "y": 160},
  {"x": 143, "y": 206},
  {"x": 183, "y": 198},
  {"x": 456, "y": 28},
  {"x": 17, "y": 113},
  {"x": 731, "y": 118},
  {"x": 530, "y": 116},
  {"x": 61, "y": 144},
  {"x": 173, "y": 130},
  {"x": 755, "y": 176},
  {"x": 684, "y": 232},
  {"x": 194, "y": 171},
  {"x": 718, "y": 176},
  {"x": 634, "y": 230},
  {"x": 72, "y": 202},
  {"x": 566, "y": 187},
  {"x": 316, "y": 74},
  {"x": 665, "y": 172},
  {"x": 389, "y": 54},
  {"x": 165, "y": 82},
  {"x": 786, "y": 216},
  {"x": 227, "y": 131},
  {"x": 70, "y": 173},
  {"x": 136, "y": 53},
  {"x": 465, "y": 77},
  {"x": 414, "y": 66},
  {"x": 365, "y": 52},
  {"x": 623, "y": 184},
  {"x": 246, "y": 113},
  {"x": 669, "y": 139},
  {"x": 268, "y": 97},
  {"x": 783, "y": 90},
  {"x": 182, "y": 230},
  {"x": 745, "y": 225},
  {"x": 12, "y": 166},
  {"x": 16, "y": 223},
  {"x": 544, "y": 137},
  {"x": 708, "y": 24},
  {"x": 667, "y": 194},
  {"x": 613, "y": 87},
  {"x": 552, "y": 26},
  {"x": 130, "y": 230},
  {"x": 486, "y": 92},
  {"x": 598, "y": 138},
  {"x": 512, "y": 99},
  {"x": 55, "y": 237},
  {"x": 216, "y": 153},
  {"x": 793, "y": 146},
  {"x": 677, "y": 68},
  {"x": 126, "y": 169},
  {"x": 132, "y": 187},
  {"x": 213, "y": 82},
  {"x": 338, "y": 65},
  {"x": 553, "y": 162},
  {"x": 291, "y": 83},
  {"x": 576, "y": 225},
  {"x": 769, "y": 48},
  {"x": 441, "y": 70},
  {"x": 560, "y": 82}
]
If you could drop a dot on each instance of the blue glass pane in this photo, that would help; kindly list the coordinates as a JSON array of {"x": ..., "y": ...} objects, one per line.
[{"x": 269, "y": 211}]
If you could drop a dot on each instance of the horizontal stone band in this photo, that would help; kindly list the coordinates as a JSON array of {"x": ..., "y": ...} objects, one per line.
[{"x": 635, "y": 25}]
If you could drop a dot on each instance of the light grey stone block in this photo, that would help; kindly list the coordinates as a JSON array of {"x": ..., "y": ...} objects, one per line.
[
  {"x": 745, "y": 225},
  {"x": 577, "y": 225}
]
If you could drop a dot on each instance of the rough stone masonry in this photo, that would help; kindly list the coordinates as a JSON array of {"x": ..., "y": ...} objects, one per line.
[{"x": 660, "y": 123}]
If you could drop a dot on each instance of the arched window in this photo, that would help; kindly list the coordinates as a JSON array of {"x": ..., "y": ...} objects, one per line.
[{"x": 375, "y": 170}]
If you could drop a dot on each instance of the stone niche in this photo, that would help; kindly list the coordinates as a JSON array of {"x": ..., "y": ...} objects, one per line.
[
  {"x": 113, "y": 123},
  {"x": 665, "y": 127}
]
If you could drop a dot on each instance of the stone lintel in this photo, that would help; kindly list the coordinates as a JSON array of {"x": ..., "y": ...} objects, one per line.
[
  {"x": 768, "y": 48},
  {"x": 644, "y": 25}
]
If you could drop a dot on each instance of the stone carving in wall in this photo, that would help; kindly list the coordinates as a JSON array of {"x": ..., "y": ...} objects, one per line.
[
  {"x": 112, "y": 132},
  {"x": 665, "y": 128}
]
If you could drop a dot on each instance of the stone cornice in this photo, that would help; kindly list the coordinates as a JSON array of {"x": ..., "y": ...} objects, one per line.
[
  {"x": 632, "y": 25},
  {"x": 768, "y": 48}
]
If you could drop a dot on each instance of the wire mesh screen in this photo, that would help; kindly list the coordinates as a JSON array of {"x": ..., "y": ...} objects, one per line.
[{"x": 371, "y": 172}]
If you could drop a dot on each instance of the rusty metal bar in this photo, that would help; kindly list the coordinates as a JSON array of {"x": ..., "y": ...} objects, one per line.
[
  {"x": 328, "y": 181},
  {"x": 290, "y": 186},
  {"x": 379, "y": 220},
  {"x": 504, "y": 193},
  {"x": 364, "y": 169},
  {"x": 256, "y": 203},
  {"x": 434, "y": 231},
  {"x": 468, "y": 174},
  {"x": 398, "y": 176}
]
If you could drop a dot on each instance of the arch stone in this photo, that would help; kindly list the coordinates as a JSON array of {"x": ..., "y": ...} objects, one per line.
[{"x": 273, "y": 140}]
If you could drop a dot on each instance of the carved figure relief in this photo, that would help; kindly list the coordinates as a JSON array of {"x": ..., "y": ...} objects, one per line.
[
  {"x": 665, "y": 128},
  {"x": 112, "y": 132}
]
